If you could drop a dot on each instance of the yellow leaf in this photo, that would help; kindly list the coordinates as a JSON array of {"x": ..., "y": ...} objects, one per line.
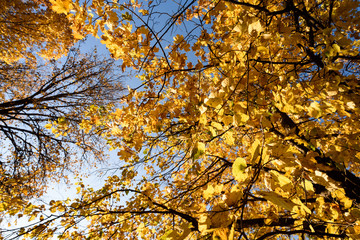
[
  {"x": 308, "y": 186},
  {"x": 262, "y": 49},
  {"x": 170, "y": 235},
  {"x": 115, "y": 130},
  {"x": 238, "y": 169},
  {"x": 113, "y": 17},
  {"x": 214, "y": 102},
  {"x": 278, "y": 200},
  {"x": 241, "y": 118},
  {"x": 217, "y": 125},
  {"x": 78, "y": 35},
  {"x": 232, "y": 231},
  {"x": 143, "y": 11},
  {"x": 204, "y": 222},
  {"x": 336, "y": 48},
  {"x": 203, "y": 119},
  {"x": 202, "y": 109},
  {"x": 233, "y": 196},
  {"x": 186, "y": 228},
  {"x": 220, "y": 234},
  {"x": 254, "y": 150},
  {"x": 266, "y": 123},
  {"x": 61, "y": 6},
  {"x": 340, "y": 194},
  {"x": 32, "y": 217},
  {"x": 227, "y": 120},
  {"x": 209, "y": 192},
  {"x": 229, "y": 138},
  {"x": 126, "y": 16},
  {"x": 301, "y": 206},
  {"x": 280, "y": 178},
  {"x": 255, "y": 26},
  {"x": 3, "y": 206},
  {"x": 198, "y": 150},
  {"x": 53, "y": 209},
  {"x": 212, "y": 131},
  {"x": 346, "y": 202},
  {"x": 268, "y": 221},
  {"x": 314, "y": 110}
]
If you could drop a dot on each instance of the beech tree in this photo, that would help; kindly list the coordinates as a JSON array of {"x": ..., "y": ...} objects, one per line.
[
  {"x": 245, "y": 126},
  {"x": 41, "y": 94}
]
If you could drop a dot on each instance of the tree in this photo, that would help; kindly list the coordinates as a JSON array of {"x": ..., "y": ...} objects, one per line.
[
  {"x": 29, "y": 27},
  {"x": 37, "y": 99},
  {"x": 41, "y": 95},
  {"x": 245, "y": 125}
]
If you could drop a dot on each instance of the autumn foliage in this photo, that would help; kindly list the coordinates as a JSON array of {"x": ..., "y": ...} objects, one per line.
[
  {"x": 43, "y": 98},
  {"x": 245, "y": 124}
]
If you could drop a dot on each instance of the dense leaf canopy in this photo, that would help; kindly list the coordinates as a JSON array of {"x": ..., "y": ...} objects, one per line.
[
  {"x": 245, "y": 125},
  {"x": 31, "y": 26}
]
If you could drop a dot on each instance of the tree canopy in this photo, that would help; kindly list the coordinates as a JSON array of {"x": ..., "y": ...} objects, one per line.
[
  {"x": 245, "y": 124},
  {"x": 31, "y": 26},
  {"x": 46, "y": 87}
]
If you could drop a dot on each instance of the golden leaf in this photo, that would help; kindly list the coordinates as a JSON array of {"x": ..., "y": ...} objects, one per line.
[
  {"x": 238, "y": 169},
  {"x": 61, "y": 6},
  {"x": 278, "y": 200}
]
